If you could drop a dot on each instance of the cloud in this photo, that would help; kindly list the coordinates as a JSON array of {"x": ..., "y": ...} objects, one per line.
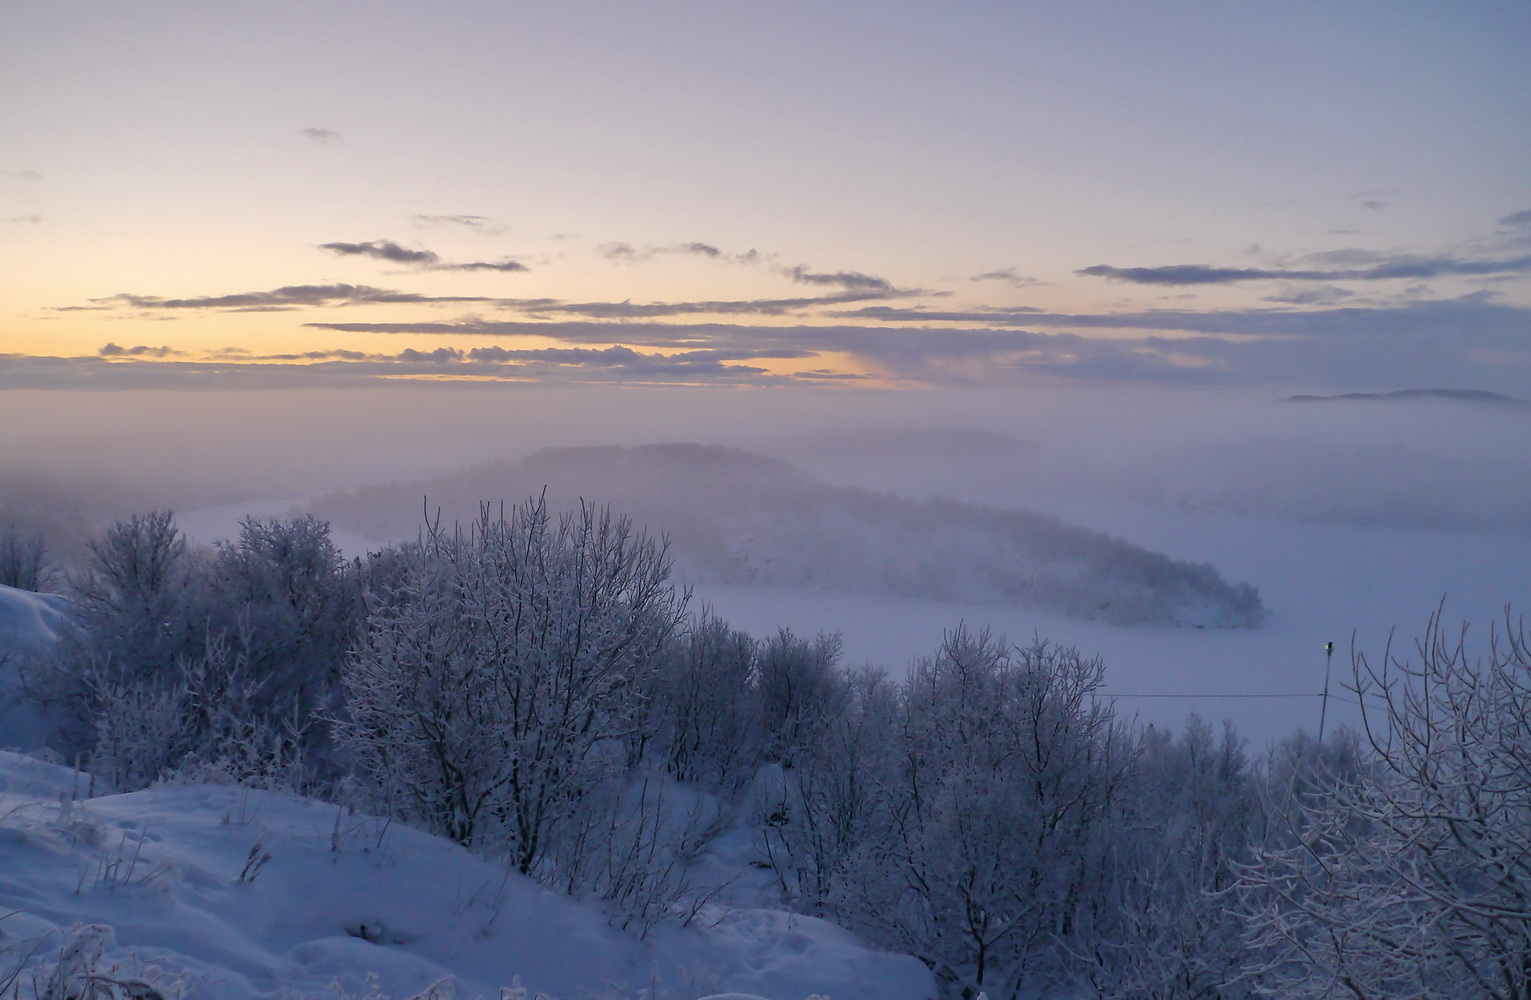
[
  {"x": 650, "y": 310},
  {"x": 1517, "y": 219},
  {"x": 141, "y": 351},
  {"x": 32, "y": 219},
  {"x": 845, "y": 279},
  {"x": 1467, "y": 343},
  {"x": 1373, "y": 204},
  {"x": 1400, "y": 267},
  {"x": 1008, "y": 276},
  {"x": 278, "y": 299},
  {"x": 628, "y": 253},
  {"x": 319, "y": 134},
  {"x": 1469, "y": 320},
  {"x": 384, "y": 250},
  {"x": 479, "y": 222},
  {"x": 506, "y": 265},
  {"x": 1319, "y": 295},
  {"x": 22, "y": 175},
  {"x": 612, "y": 364},
  {"x": 426, "y": 259},
  {"x": 623, "y": 251}
]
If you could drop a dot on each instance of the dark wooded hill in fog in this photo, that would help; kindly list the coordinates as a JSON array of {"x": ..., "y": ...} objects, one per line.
[{"x": 735, "y": 517}]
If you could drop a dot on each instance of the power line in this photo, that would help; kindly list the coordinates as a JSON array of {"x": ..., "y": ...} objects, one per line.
[{"x": 1113, "y": 694}]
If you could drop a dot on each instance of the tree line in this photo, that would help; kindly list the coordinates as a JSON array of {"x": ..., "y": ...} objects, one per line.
[{"x": 535, "y": 686}]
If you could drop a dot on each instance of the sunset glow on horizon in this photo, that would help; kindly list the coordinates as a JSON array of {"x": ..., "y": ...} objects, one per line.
[{"x": 1195, "y": 194}]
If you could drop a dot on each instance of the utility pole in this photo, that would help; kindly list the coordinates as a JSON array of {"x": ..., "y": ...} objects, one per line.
[{"x": 1323, "y": 713}]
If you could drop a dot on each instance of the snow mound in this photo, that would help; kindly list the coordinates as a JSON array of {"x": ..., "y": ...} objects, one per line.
[
  {"x": 28, "y": 620},
  {"x": 29, "y": 627},
  {"x": 236, "y": 894}
]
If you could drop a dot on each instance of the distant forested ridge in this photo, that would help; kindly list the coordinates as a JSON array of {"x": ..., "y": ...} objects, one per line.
[{"x": 735, "y": 517}]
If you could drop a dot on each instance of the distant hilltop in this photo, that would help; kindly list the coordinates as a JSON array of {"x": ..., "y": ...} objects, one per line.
[{"x": 1459, "y": 395}]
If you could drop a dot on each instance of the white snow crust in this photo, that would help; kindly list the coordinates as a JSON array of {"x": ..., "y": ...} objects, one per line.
[{"x": 174, "y": 874}]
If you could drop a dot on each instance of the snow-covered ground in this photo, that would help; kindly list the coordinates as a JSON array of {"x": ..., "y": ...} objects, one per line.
[
  {"x": 28, "y": 623},
  {"x": 231, "y": 893}
]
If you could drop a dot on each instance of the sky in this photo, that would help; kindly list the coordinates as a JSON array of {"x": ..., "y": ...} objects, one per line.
[{"x": 1303, "y": 196}]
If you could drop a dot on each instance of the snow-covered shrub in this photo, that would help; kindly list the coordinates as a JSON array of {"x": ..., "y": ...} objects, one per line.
[
  {"x": 835, "y": 802},
  {"x": 184, "y": 663},
  {"x": 204, "y": 722},
  {"x": 1410, "y": 875},
  {"x": 703, "y": 711},
  {"x": 137, "y": 600},
  {"x": 1186, "y": 819},
  {"x": 492, "y": 688},
  {"x": 287, "y": 596},
  {"x": 632, "y": 842},
  {"x": 998, "y": 836},
  {"x": 799, "y": 689},
  {"x": 23, "y": 560},
  {"x": 79, "y": 971}
]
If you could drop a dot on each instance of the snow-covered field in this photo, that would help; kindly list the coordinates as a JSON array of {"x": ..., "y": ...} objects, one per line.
[{"x": 230, "y": 893}]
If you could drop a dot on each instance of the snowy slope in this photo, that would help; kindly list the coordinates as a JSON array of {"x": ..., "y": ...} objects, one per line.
[
  {"x": 28, "y": 619},
  {"x": 176, "y": 874},
  {"x": 29, "y": 626}
]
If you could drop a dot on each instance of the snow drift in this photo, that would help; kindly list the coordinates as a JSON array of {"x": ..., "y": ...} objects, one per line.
[{"x": 231, "y": 893}]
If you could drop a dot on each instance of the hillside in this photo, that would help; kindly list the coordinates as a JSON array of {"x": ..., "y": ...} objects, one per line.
[
  {"x": 735, "y": 517},
  {"x": 234, "y": 894}
]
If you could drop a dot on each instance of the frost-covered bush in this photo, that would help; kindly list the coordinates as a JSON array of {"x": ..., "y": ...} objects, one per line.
[
  {"x": 497, "y": 684},
  {"x": 965, "y": 816},
  {"x": 1186, "y": 819},
  {"x": 206, "y": 723},
  {"x": 216, "y": 663},
  {"x": 703, "y": 712},
  {"x": 800, "y": 690},
  {"x": 1408, "y": 875},
  {"x": 23, "y": 560}
]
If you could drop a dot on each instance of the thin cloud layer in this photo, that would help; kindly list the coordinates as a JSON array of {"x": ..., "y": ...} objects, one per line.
[
  {"x": 1008, "y": 276},
  {"x": 111, "y": 350},
  {"x": 845, "y": 279},
  {"x": 482, "y": 223},
  {"x": 1401, "y": 267},
  {"x": 285, "y": 298},
  {"x": 629, "y": 254},
  {"x": 393, "y": 253}
]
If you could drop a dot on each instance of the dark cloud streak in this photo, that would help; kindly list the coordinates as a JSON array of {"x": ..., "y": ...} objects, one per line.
[
  {"x": 1411, "y": 268},
  {"x": 427, "y": 259},
  {"x": 284, "y": 298},
  {"x": 845, "y": 279}
]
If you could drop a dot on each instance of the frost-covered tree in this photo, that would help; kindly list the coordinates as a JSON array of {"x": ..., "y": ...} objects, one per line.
[
  {"x": 286, "y": 597},
  {"x": 1187, "y": 817},
  {"x": 498, "y": 683},
  {"x": 214, "y": 660},
  {"x": 703, "y": 717},
  {"x": 23, "y": 560},
  {"x": 799, "y": 690},
  {"x": 1008, "y": 771},
  {"x": 1410, "y": 875},
  {"x": 136, "y": 598},
  {"x": 833, "y": 804}
]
